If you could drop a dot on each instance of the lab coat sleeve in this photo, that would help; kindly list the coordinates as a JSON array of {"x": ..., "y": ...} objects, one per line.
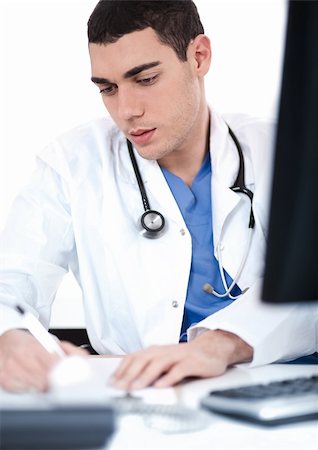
[
  {"x": 35, "y": 248},
  {"x": 277, "y": 333}
]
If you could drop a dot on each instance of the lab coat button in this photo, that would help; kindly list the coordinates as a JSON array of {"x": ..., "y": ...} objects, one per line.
[
  {"x": 182, "y": 232},
  {"x": 174, "y": 304}
]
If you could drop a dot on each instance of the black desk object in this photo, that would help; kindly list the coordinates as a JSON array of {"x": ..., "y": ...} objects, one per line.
[{"x": 58, "y": 428}]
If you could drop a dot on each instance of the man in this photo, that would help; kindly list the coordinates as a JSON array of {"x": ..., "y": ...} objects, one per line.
[{"x": 198, "y": 282}]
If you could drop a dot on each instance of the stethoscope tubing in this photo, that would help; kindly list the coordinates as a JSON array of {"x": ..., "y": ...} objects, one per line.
[
  {"x": 152, "y": 222},
  {"x": 155, "y": 231},
  {"x": 143, "y": 193}
]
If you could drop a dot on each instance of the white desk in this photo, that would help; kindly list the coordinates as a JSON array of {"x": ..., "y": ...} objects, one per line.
[{"x": 221, "y": 433}]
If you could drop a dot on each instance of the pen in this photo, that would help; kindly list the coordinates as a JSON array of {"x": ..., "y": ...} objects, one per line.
[{"x": 40, "y": 333}]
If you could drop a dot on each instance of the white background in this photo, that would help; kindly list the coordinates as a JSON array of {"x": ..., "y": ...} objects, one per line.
[{"x": 45, "y": 86}]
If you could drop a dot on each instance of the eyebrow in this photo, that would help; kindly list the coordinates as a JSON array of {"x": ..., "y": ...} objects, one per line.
[{"x": 129, "y": 74}]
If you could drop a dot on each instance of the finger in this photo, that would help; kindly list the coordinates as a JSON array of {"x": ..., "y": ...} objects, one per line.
[
  {"x": 71, "y": 349},
  {"x": 24, "y": 362},
  {"x": 36, "y": 374},
  {"x": 17, "y": 378},
  {"x": 124, "y": 365},
  {"x": 46, "y": 359},
  {"x": 50, "y": 359},
  {"x": 135, "y": 366},
  {"x": 30, "y": 349},
  {"x": 15, "y": 386},
  {"x": 130, "y": 371},
  {"x": 152, "y": 372},
  {"x": 173, "y": 376},
  {"x": 201, "y": 366},
  {"x": 148, "y": 354},
  {"x": 27, "y": 367}
]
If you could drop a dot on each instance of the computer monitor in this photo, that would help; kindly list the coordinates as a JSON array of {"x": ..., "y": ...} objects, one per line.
[{"x": 291, "y": 270}]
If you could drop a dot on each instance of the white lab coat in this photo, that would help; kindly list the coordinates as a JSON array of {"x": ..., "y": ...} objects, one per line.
[{"x": 81, "y": 212}]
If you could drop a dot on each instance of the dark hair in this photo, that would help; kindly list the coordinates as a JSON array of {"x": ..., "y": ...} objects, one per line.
[{"x": 175, "y": 22}]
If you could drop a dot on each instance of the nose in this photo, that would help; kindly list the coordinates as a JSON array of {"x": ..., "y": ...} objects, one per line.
[{"x": 129, "y": 104}]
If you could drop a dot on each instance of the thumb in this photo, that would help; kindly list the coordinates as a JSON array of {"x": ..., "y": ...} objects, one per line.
[{"x": 71, "y": 349}]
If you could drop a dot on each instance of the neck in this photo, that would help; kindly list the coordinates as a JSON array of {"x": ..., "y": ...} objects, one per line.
[{"x": 186, "y": 161}]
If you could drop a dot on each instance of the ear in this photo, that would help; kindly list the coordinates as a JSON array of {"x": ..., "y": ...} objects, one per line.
[{"x": 200, "y": 53}]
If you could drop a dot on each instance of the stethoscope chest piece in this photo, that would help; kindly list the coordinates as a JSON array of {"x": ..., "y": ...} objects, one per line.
[{"x": 152, "y": 224}]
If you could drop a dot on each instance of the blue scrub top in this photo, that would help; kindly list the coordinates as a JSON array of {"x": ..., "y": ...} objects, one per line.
[{"x": 196, "y": 208}]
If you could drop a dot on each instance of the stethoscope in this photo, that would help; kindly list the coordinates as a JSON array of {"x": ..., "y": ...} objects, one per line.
[{"x": 153, "y": 223}]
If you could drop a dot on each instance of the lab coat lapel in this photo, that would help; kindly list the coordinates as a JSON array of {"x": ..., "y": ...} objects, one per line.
[
  {"x": 230, "y": 211},
  {"x": 224, "y": 170}
]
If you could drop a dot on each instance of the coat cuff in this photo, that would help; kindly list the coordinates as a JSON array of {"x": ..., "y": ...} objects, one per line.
[
  {"x": 277, "y": 333},
  {"x": 10, "y": 319}
]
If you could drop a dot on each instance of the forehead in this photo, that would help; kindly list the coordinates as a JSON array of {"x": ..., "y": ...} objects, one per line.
[{"x": 131, "y": 50}]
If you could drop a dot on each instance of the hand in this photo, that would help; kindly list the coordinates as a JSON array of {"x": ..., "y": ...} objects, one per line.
[
  {"x": 25, "y": 364},
  {"x": 210, "y": 354}
]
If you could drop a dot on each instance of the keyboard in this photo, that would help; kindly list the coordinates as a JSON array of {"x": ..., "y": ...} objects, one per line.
[{"x": 273, "y": 403}]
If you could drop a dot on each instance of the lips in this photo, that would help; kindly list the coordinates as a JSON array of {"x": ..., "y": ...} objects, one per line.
[{"x": 141, "y": 136}]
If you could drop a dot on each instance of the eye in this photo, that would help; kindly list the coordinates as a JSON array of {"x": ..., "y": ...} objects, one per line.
[
  {"x": 108, "y": 90},
  {"x": 148, "y": 80}
]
